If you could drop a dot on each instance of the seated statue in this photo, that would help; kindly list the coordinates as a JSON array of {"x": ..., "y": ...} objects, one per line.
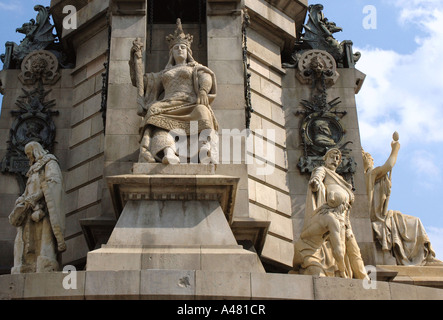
[
  {"x": 38, "y": 215},
  {"x": 327, "y": 246},
  {"x": 170, "y": 100},
  {"x": 402, "y": 238}
]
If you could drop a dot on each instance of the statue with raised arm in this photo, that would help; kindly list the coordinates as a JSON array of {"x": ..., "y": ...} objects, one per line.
[
  {"x": 38, "y": 215},
  {"x": 402, "y": 238},
  {"x": 327, "y": 246},
  {"x": 172, "y": 99}
]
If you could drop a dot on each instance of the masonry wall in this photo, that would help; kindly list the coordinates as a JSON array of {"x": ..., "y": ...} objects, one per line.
[{"x": 85, "y": 157}]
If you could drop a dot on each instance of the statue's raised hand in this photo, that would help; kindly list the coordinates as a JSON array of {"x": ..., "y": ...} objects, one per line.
[{"x": 137, "y": 48}]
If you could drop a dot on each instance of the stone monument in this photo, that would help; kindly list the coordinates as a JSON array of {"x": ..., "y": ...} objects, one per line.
[
  {"x": 188, "y": 88},
  {"x": 149, "y": 216},
  {"x": 169, "y": 220},
  {"x": 320, "y": 116}
]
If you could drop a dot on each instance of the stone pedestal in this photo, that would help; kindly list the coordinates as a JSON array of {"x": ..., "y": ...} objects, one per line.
[{"x": 172, "y": 220}]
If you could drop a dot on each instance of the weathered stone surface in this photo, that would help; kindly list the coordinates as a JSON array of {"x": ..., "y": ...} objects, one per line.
[{"x": 200, "y": 284}]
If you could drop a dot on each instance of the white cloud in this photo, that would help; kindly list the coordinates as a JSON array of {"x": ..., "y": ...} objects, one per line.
[
  {"x": 425, "y": 164},
  {"x": 403, "y": 92},
  {"x": 426, "y": 169}
]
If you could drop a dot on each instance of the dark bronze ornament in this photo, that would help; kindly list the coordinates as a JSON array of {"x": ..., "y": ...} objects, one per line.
[
  {"x": 321, "y": 129},
  {"x": 38, "y": 36},
  {"x": 246, "y": 73},
  {"x": 33, "y": 122},
  {"x": 318, "y": 35}
]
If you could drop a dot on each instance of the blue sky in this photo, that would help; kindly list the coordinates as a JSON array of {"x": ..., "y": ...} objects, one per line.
[{"x": 402, "y": 92}]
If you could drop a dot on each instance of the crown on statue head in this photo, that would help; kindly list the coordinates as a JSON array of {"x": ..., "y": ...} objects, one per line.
[{"x": 179, "y": 37}]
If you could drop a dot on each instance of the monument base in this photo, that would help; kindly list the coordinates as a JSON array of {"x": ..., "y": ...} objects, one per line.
[
  {"x": 173, "y": 221},
  {"x": 200, "y": 284},
  {"x": 217, "y": 258}
]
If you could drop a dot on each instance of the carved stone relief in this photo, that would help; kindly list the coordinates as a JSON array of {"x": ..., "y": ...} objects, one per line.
[
  {"x": 33, "y": 118},
  {"x": 321, "y": 129},
  {"x": 312, "y": 63},
  {"x": 39, "y": 65}
]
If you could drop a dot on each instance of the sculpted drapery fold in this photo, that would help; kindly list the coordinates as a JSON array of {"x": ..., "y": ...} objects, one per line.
[
  {"x": 38, "y": 215},
  {"x": 402, "y": 238},
  {"x": 327, "y": 246}
]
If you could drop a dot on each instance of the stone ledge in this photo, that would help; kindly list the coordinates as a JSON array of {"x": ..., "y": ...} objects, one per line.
[
  {"x": 174, "y": 187},
  {"x": 426, "y": 276},
  {"x": 173, "y": 169},
  {"x": 198, "y": 284}
]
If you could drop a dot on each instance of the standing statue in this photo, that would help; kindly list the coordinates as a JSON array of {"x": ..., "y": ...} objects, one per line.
[
  {"x": 403, "y": 238},
  {"x": 38, "y": 215},
  {"x": 327, "y": 246},
  {"x": 173, "y": 98}
]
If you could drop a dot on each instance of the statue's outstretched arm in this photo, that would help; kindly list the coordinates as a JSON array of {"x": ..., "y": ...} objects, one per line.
[{"x": 381, "y": 171}]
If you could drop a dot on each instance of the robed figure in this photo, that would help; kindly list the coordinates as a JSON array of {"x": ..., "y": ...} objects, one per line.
[
  {"x": 173, "y": 100},
  {"x": 402, "y": 238},
  {"x": 38, "y": 215},
  {"x": 327, "y": 246}
]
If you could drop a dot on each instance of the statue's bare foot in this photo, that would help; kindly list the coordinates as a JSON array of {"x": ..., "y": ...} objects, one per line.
[{"x": 170, "y": 157}]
